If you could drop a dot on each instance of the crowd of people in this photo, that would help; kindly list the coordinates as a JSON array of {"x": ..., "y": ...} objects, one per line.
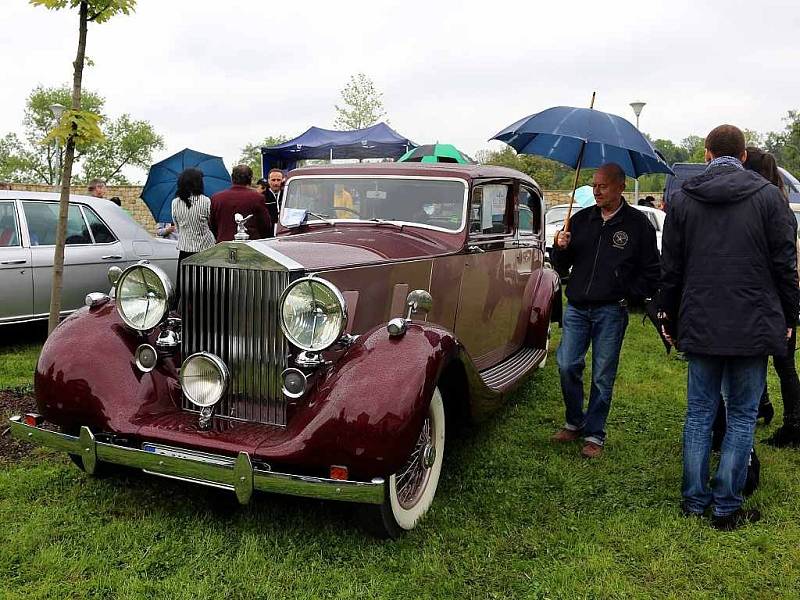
[{"x": 727, "y": 296}]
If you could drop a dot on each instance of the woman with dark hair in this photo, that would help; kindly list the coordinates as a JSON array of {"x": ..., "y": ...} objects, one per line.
[
  {"x": 190, "y": 213},
  {"x": 789, "y": 433}
]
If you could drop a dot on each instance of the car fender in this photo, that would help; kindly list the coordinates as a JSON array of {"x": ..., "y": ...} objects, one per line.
[
  {"x": 86, "y": 375},
  {"x": 545, "y": 299},
  {"x": 366, "y": 410}
]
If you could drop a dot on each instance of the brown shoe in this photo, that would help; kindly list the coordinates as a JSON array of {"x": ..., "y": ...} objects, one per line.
[
  {"x": 566, "y": 435},
  {"x": 591, "y": 450}
]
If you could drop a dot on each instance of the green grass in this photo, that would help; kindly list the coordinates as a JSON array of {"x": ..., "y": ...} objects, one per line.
[
  {"x": 19, "y": 350},
  {"x": 515, "y": 517}
]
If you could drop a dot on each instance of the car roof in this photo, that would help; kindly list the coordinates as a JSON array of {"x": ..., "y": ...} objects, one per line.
[
  {"x": 120, "y": 220},
  {"x": 468, "y": 172}
]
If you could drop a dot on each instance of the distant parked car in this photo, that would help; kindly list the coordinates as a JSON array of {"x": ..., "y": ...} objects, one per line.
[
  {"x": 656, "y": 218},
  {"x": 99, "y": 235},
  {"x": 684, "y": 171},
  {"x": 554, "y": 221}
]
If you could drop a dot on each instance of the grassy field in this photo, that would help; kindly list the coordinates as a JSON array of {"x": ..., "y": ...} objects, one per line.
[{"x": 515, "y": 517}]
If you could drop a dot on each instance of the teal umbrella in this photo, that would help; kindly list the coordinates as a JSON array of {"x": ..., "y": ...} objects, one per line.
[
  {"x": 436, "y": 153},
  {"x": 584, "y": 196}
]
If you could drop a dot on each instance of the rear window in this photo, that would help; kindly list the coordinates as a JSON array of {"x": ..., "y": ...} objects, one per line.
[
  {"x": 42, "y": 218},
  {"x": 9, "y": 232},
  {"x": 101, "y": 233}
]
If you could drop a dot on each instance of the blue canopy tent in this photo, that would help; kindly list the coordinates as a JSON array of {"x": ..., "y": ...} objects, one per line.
[{"x": 378, "y": 141}]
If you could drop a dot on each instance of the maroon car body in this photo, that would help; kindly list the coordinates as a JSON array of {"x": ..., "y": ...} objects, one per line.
[{"x": 364, "y": 413}]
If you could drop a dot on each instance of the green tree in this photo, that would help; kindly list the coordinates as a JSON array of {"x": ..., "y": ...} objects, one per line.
[
  {"x": 251, "y": 154},
  {"x": 362, "y": 104},
  {"x": 78, "y": 127},
  {"x": 785, "y": 145},
  {"x": 127, "y": 142}
]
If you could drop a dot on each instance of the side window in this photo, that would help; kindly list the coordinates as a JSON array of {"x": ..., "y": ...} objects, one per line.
[
  {"x": 42, "y": 218},
  {"x": 9, "y": 231},
  {"x": 101, "y": 233},
  {"x": 488, "y": 210},
  {"x": 530, "y": 212}
]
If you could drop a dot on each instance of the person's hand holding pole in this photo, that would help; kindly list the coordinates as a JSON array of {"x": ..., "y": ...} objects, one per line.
[{"x": 562, "y": 239}]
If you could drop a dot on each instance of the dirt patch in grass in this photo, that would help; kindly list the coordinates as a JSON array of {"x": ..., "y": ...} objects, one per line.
[{"x": 14, "y": 402}]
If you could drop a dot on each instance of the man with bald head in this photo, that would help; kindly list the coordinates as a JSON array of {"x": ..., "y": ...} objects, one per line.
[{"x": 612, "y": 253}]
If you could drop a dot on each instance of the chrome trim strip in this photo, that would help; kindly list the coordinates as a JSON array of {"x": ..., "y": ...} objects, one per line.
[
  {"x": 241, "y": 476},
  {"x": 278, "y": 257}
]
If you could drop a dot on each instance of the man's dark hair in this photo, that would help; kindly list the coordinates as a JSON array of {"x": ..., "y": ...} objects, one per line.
[
  {"x": 271, "y": 171},
  {"x": 242, "y": 175},
  {"x": 617, "y": 173},
  {"x": 725, "y": 140},
  {"x": 190, "y": 183}
]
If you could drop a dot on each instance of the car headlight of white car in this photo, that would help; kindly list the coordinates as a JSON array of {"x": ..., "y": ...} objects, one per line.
[
  {"x": 313, "y": 314},
  {"x": 144, "y": 295}
]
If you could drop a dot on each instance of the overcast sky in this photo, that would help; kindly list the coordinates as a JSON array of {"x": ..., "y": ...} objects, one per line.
[{"x": 215, "y": 75}]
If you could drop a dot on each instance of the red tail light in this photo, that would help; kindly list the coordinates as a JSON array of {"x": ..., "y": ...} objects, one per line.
[
  {"x": 338, "y": 472},
  {"x": 33, "y": 420}
]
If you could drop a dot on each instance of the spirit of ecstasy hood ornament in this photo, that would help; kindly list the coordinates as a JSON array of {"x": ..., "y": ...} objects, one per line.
[{"x": 241, "y": 230}]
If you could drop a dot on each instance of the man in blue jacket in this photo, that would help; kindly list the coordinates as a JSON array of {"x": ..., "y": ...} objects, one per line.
[
  {"x": 611, "y": 249},
  {"x": 729, "y": 298}
]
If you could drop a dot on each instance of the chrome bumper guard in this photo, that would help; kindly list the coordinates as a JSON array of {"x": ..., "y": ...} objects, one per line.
[{"x": 235, "y": 474}]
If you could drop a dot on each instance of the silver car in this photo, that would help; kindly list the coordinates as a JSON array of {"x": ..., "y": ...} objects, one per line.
[{"x": 99, "y": 234}]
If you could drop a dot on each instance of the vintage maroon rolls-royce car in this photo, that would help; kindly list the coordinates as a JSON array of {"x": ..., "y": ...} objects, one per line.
[{"x": 324, "y": 362}]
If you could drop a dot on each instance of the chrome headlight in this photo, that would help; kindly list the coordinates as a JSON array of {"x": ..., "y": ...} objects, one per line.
[
  {"x": 313, "y": 314},
  {"x": 204, "y": 378},
  {"x": 144, "y": 295}
]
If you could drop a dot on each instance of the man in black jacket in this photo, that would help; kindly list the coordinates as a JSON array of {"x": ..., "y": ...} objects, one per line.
[
  {"x": 729, "y": 296},
  {"x": 612, "y": 251}
]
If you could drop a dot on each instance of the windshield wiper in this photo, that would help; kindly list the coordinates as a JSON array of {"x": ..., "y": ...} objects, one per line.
[
  {"x": 321, "y": 218},
  {"x": 385, "y": 222}
]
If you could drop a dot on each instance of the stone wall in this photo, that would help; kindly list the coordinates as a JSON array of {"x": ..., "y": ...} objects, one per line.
[{"x": 136, "y": 206}]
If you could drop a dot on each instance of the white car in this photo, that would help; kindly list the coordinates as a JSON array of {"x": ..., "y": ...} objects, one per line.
[
  {"x": 656, "y": 218},
  {"x": 99, "y": 234}
]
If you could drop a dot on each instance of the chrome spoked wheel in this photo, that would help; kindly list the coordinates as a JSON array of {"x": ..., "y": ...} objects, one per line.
[
  {"x": 415, "y": 475},
  {"x": 410, "y": 491}
]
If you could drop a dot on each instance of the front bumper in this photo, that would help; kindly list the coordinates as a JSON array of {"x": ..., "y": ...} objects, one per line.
[{"x": 237, "y": 475}]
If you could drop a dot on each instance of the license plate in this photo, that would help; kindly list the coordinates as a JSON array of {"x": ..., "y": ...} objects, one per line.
[{"x": 181, "y": 453}]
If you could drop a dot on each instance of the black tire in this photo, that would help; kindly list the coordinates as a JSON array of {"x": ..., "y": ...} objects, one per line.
[{"x": 407, "y": 502}]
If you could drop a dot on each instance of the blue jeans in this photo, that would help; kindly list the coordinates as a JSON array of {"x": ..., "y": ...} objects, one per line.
[
  {"x": 603, "y": 326},
  {"x": 744, "y": 378}
]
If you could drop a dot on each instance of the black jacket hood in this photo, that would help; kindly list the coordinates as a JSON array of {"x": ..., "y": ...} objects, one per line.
[{"x": 724, "y": 184}]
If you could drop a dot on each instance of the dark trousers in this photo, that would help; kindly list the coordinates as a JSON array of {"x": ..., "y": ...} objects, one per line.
[
  {"x": 181, "y": 255},
  {"x": 790, "y": 383}
]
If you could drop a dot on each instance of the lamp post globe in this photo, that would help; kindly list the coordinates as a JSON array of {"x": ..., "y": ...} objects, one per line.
[{"x": 637, "y": 110}]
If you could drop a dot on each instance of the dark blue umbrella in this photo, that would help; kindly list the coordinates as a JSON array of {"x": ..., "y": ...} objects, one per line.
[
  {"x": 162, "y": 180},
  {"x": 583, "y": 137}
]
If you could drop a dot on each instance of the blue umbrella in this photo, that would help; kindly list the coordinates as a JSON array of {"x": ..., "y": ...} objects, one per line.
[
  {"x": 162, "y": 180},
  {"x": 583, "y": 137}
]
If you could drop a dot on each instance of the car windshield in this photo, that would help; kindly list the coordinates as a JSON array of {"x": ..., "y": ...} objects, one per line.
[{"x": 438, "y": 203}]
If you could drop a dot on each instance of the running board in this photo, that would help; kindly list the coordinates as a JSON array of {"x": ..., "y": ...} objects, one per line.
[{"x": 507, "y": 372}]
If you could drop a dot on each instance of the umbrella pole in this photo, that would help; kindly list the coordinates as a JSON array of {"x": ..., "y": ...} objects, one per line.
[{"x": 577, "y": 174}]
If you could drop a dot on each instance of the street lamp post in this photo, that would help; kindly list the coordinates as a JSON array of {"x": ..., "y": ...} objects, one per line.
[
  {"x": 637, "y": 110},
  {"x": 58, "y": 111}
]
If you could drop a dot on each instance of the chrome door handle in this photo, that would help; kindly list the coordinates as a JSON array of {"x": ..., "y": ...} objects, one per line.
[
  {"x": 22, "y": 261},
  {"x": 475, "y": 250},
  {"x": 112, "y": 257}
]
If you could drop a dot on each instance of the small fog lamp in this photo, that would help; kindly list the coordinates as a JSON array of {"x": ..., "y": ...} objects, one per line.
[
  {"x": 146, "y": 358},
  {"x": 294, "y": 383}
]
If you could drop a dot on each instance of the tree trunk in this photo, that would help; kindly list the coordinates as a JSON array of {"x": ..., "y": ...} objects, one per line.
[{"x": 66, "y": 177}]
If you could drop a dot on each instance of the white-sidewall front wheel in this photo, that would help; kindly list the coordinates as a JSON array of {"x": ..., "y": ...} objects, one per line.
[{"x": 407, "y": 514}]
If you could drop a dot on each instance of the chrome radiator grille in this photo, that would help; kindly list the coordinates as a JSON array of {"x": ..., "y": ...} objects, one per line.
[{"x": 233, "y": 313}]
